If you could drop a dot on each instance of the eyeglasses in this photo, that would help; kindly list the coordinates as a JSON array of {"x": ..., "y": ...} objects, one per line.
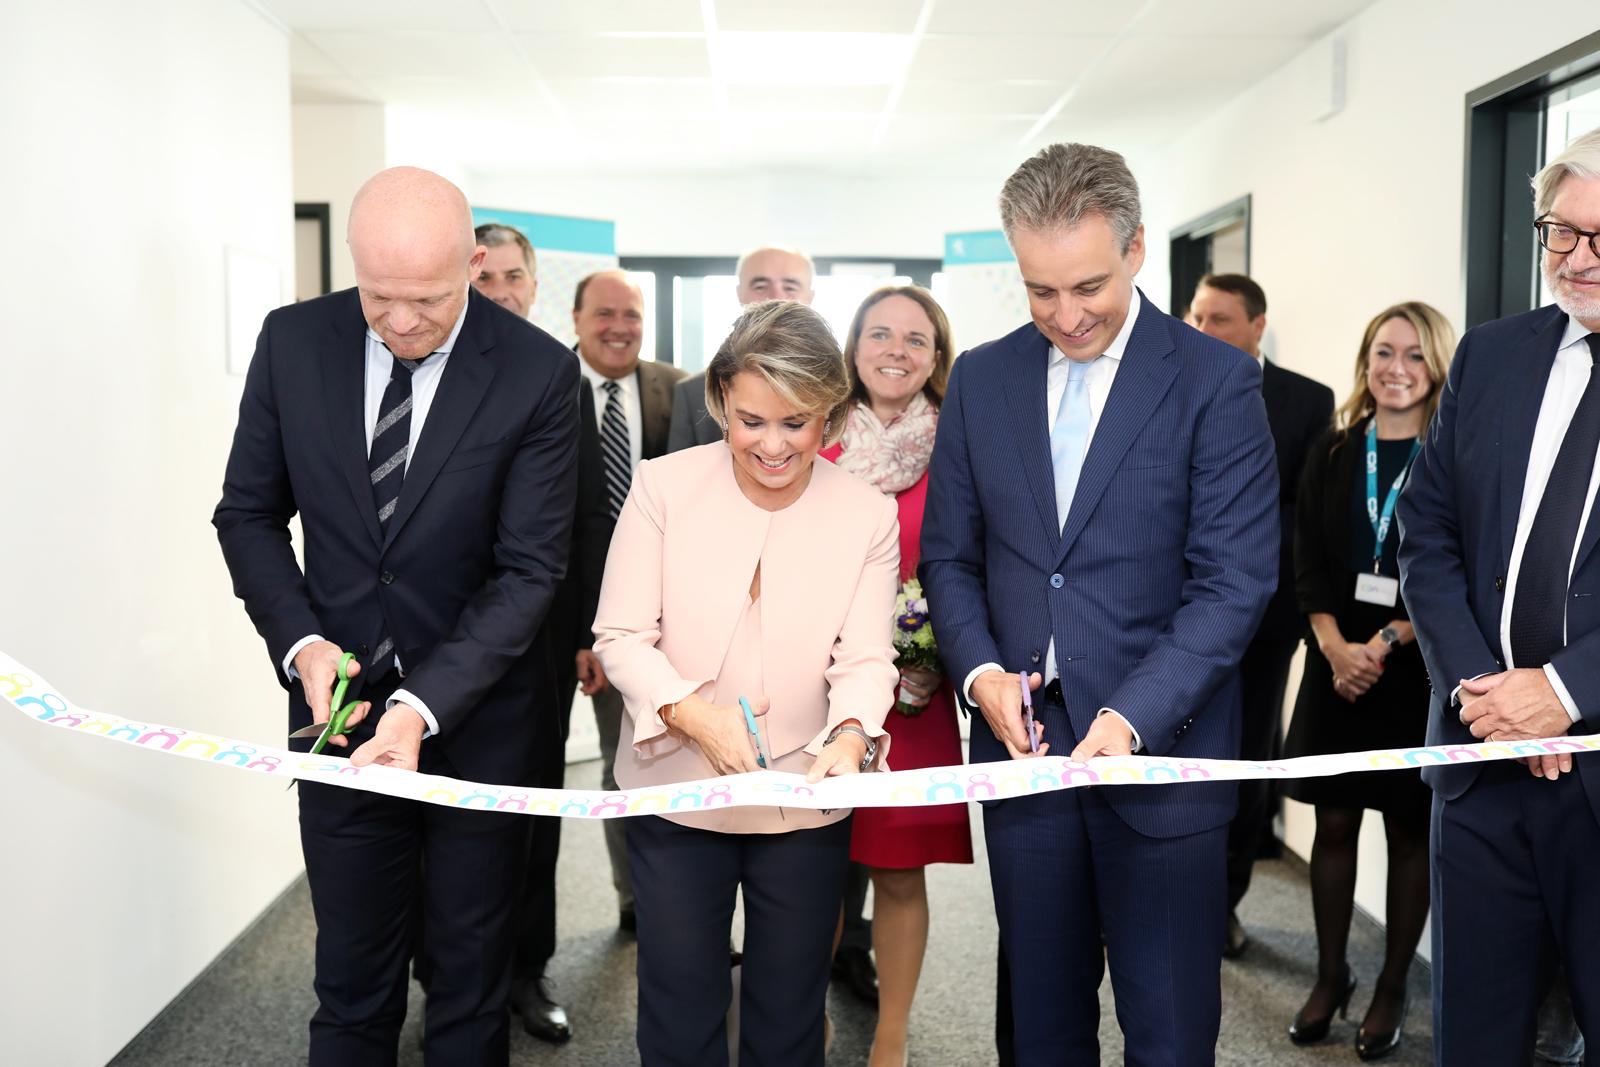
[{"x": 1562, "y": 239}]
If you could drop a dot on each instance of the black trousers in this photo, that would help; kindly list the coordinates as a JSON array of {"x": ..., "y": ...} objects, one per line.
[
  {"x": 536, "y": 904},
  {"x": 685, "y": 881},
  {"x": 1263, "y": 677},
  {"x": 378, "y": 867}
]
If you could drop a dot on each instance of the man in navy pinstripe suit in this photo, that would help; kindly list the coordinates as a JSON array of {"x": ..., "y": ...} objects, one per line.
[{"x": 1102, "y": 514}]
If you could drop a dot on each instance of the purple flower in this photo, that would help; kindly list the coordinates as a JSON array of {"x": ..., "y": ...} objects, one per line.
[{"x": 911, "y": 622}]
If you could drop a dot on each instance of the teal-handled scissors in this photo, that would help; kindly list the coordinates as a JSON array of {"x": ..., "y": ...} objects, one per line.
[
  {"x": 755, "y": 734},
  {"x": 338, "y": 711}
]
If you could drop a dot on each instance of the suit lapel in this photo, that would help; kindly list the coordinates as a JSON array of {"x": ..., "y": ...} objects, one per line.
[
  {"x": 1027, "y": 397},
  {"x": 462, "y": 385},
  {"x": 1143, "y": 378},
  {"x": 344, "y": 395},
  {"x": 1520, "y": 415}
]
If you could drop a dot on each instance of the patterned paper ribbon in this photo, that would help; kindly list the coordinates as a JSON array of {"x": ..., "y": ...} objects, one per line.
[{"x": 37, "y": 699}]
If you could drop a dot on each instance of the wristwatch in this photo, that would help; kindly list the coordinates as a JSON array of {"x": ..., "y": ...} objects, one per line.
[
  {"x": 872, "y": 745},
  {"x": 1390, "y": 637}
]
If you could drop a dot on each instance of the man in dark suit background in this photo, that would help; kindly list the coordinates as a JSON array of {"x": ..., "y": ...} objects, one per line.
[
  {"x": 1499, "y": 573},
  {"x": 1102, "y": 514},
  {"x": 633, "y": 406},
  {"x": 510, "y": 278},
  {"x": 1233, "y": 308},
  {"x": 426, "y": 439}
]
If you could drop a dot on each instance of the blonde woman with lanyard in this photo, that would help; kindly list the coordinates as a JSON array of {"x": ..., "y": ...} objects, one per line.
[{"x": 1364, "y": 684}]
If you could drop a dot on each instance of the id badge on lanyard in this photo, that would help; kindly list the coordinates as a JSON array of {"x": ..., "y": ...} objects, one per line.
[{"x": 1376, "y": 588}]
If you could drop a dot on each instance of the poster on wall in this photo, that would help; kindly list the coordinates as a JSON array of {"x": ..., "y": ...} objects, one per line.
[
  {"x": 983, "y": 287},
  {"x": 567, "y": 249}
]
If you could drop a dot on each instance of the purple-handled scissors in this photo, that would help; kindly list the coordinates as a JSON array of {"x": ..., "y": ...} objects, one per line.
[{"x": 1027, "y": 712}]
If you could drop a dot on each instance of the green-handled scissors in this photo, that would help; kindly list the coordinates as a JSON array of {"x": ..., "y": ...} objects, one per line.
[{"x": 338, "y": 711}]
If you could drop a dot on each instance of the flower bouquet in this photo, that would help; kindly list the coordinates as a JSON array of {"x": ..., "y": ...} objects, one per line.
[{"x": 913, "y": 640}]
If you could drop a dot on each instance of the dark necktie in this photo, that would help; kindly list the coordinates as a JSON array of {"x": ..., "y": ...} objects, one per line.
[
  {"x": 391, "y": 446},
  {"x": 1539, "y": 609},
  {"x": 615, "y": 449}
]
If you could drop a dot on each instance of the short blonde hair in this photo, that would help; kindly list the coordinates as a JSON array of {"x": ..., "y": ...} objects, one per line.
[
  {"x": 790, "y": 347},
  {"x": 1580, "y": 159},
  {"x": 1438, "y": 340}
]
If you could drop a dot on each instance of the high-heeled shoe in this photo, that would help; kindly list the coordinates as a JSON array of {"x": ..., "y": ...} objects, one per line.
[
  {"x": 1305, "y": 1031},
  {"x": 1377, "y": 1046}
]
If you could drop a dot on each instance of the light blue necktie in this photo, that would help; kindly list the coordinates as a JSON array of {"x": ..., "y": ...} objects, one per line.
[{"x": 1069, "y": 437}]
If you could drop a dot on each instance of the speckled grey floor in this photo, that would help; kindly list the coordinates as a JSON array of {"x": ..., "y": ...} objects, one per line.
[{"x": 252, "y": 1006}]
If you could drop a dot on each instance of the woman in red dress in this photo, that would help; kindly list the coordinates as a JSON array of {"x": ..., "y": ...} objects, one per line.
[{"x": 898, "y": 353}]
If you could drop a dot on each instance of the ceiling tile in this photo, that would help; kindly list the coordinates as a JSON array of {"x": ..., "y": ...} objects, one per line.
[
  {"x": 777, "y": 101},
  {"x": 1029, "y": 17},
  {"x": 371, "y": 53},
  {"x": 1161, "y": 70},
  {"x": 979, "y": 98},
  {"x": 601, "y": 16},
  {"x": 840, "y": 16},
  {"x": 589, "y": 56},
  {"x": 657, "y": 97},
  {"x": 966, "y": 59},
  {"x": 1252, "y": 18},
  {"x": 380, "y": 15}
]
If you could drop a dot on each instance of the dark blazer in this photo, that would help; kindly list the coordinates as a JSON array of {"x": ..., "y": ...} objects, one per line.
[
  {"x": 1321, "y": 529},
  {"x": 1299, "y": 412},
  {"x": 1458, "y": 521},
  {"x": 692, "y": 424},
  {"x": 571, "y": 618},
  {"x": 465, "y": 572},
  {"x": 1159, "y": 578}
]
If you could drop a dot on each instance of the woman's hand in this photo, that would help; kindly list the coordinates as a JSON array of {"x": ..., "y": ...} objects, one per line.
[
  {"x": 918, "y": 684},
  {"x": 1356, "y": 667},
  {"x": 842, "y": 755},
  {"x": 720, "y": 732}
]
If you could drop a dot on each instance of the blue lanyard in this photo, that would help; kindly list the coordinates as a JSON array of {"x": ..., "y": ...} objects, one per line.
[{"x": 1380, "y": 523}]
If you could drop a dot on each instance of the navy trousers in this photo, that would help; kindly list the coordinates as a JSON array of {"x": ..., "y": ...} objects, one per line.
[
  {"x": 378, "y": 868},
  {"x": 1516, "y": 866},
  {"x": 685, "y": 881},
  {"x": 1076, "y": 889}
]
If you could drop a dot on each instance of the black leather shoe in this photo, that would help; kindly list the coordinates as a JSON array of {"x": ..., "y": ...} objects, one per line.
[
  {"x": 541, "y": 1015},
  {"x": 1377, "y": 1046},
  {"x": 854, "y": 966},
  {"x": 1304, "y": 1031},
  {"x": 628, "y": 920},
  {"x": 1237, "y": 941}
]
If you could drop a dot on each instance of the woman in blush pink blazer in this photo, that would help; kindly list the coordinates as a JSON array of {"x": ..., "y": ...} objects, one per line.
[{"x": 746, "y": 568}]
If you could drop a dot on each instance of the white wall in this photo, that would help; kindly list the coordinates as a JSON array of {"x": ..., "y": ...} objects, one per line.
[
  {"x": 336, "y": 148},
  {"x": 1362, "y": 209},
  {"x": 139, "y": 140}
]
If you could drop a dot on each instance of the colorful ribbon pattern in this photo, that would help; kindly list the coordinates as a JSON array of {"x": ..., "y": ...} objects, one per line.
[{"x": 34, "y": 697}]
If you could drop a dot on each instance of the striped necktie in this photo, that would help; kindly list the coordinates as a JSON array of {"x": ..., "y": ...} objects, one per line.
[
  {"x": 616, "y": 449},
  {"x": 391, "y": 449}
]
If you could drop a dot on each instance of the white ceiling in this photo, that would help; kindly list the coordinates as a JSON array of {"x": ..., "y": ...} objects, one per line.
[{"x": 612, "y": 86}]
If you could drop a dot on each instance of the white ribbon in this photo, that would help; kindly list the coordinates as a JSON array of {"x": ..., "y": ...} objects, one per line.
[{"x": 37, "y": 699}]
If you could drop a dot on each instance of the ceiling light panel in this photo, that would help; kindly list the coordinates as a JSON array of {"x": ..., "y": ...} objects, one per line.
[{"x": 873, "y": 16}]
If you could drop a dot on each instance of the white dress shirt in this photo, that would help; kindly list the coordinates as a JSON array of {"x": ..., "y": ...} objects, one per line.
[
  {"x": 628, "y": 395},
  {"x": 424, "y": 384},
  {"x": 1568, "y": 379},
  {"x": 1101, "y": 373}
]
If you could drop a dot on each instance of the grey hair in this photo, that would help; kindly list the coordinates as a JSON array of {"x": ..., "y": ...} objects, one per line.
[
  {"x": 1580, "y": 159},
  {"x": 1063, "y": 184},
  {"x": 495, "y": 234},
  {"x": 811, "y": 268}
]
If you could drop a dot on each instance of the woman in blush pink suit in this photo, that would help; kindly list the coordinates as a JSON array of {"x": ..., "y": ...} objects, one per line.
[
  {"x": 898, "y": 353},
  {"x": 744, "y": 568}
]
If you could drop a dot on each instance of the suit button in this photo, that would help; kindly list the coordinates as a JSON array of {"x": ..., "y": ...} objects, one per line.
[
  {"x": 386, "y": 578},
  {"x": 1033, "y": 657},
  {"x": 1499, "y": 584},
  {"x": 1056, "y": 581},
  {"x": 361, "y": 650}
]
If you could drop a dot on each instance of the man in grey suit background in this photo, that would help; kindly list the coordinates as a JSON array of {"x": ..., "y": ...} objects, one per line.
[{"x": 765, "y": 273}]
